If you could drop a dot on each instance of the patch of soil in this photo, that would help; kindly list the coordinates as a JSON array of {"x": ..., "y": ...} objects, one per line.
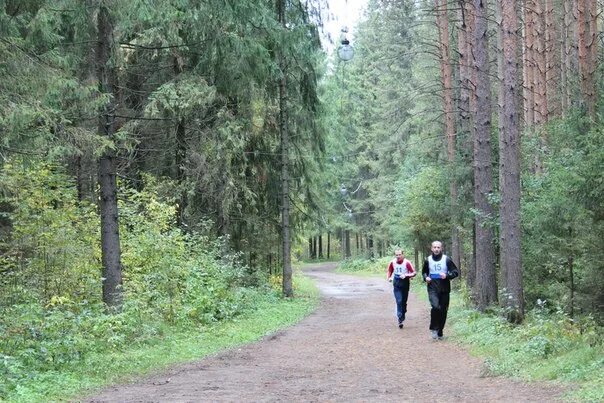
[{"x": 350, "y": 349}]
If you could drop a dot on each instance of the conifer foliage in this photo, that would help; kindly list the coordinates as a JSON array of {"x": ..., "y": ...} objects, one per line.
[
  {"x": 415, "y": 117},
  {"x": 114, "y": 92}
]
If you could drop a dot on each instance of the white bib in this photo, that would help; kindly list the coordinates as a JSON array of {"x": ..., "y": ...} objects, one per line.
[
  {"x": 438, "y": 267},
  {"x": 400, "y": 269}
]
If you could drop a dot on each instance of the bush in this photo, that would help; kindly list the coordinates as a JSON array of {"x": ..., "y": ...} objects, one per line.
[{"x": 51, "y": 313}]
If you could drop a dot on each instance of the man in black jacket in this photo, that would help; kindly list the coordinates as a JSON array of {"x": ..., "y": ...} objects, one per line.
[{"x": 437, "y": 272}]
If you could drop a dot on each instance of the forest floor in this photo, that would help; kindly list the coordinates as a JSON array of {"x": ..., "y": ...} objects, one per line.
[{"x": 350, "y": 349}]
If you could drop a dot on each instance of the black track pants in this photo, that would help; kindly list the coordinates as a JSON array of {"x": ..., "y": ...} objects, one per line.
[{"x": 439, "y": 300}]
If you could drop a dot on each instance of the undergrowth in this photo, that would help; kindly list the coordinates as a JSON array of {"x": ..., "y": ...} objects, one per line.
[
  {"x": 94, "y": 351},
  {"x": 547, "y": 346}
]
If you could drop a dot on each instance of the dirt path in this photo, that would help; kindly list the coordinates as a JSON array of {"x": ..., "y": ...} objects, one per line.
[{"x": 350, "y": 349}]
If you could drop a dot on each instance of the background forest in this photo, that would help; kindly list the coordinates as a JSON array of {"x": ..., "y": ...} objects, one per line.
[
  {"x": 162, "y": 162},
  {"x": 480, "y": 127}
]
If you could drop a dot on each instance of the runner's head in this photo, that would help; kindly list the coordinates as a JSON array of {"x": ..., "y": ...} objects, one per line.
[
  {"x": 437, "y": 248},
  {"x": 399, "y": 255}
]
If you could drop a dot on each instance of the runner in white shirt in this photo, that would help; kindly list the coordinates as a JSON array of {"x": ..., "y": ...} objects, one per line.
[
  {"x": 437, "y": 271},
  {"x": 400, "y": 270}
]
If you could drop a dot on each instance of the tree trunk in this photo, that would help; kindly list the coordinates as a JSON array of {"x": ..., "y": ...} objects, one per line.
[
  {"x": 540, "y": 69},
  {"x": 552, "y": 66},
  {"x": 110, "y": 236},
  {"x": 320, "y": 246},
  {"x": 347, "y": 253},
  {"x": 446, "y": 72},
  {"x": 592, "y": 56},
  {"x": 416, "y": 259},
  {"x": 179, "y": 166},
  {"x": 471, "y": 276},
  {"x": 486, "y": 284},
  {"x": 529, "y": 64},
  {"x": 328, "y": 245},
  {"x": 509, "y": 169},
  {"x": 465, "y": 126},
  {"x": 582, "y": 48},
  {"x": 181, "y": 149},
  {"x": 180, "y": 154},
  {"x": 587, "y": 51},
  {"x": 567, "y": 51},
  {"x": 463, "y": 33},
  {"x": 77, "y": 168},
  {"x": 310, "y": 247},
  {"x": 283, "y": 129}
]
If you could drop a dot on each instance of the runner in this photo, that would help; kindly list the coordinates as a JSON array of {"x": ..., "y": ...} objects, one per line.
[
  {"x": 400, "y": 270},
  {"x": 437, "y": 272}
]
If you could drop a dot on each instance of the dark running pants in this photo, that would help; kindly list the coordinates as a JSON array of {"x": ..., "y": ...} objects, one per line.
[
  {"x": 439, "y": 299},
  {"x": 401, "y": 293}
]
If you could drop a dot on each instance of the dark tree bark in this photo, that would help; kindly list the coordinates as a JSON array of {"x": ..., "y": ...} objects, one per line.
[
  {"x": 471, "y": 276},
  {"x": 509, "y": 169},
  {"x": 568, "y": 61},
  {"x": 581, "y": 34},
  {"x": 320, "y": 246},
  {"x": 529, "y": 64},
  {"x": 283, "y": 130},
  {"x": 552, "y": 63},
  {"x": 110, "y": 236},
  {"x": 446, "y": 73},
  {"x": 310, "y": 247},
  {"x": 416, "y": 258},
  {"x": 540, "y": 69},
  {"x": 592, "y": 56},
  {"x": 347, "y": 253},
  {"x": 486, "y": 284},
  {"x": 465, "y": 29},
  {"x": 180, "y": 154}
]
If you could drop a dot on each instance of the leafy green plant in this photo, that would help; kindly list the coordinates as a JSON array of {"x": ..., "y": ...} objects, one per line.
[{"x": 52, "y": 318}]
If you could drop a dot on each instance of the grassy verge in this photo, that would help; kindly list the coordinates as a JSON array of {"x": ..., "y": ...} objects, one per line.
[
  {"x": 546, "y": 347},
  {"x": 268, "y": 314}
]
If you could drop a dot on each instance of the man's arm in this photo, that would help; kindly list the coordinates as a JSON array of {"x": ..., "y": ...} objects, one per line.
[
  {"x": 389, "y": 272},
  {"x": 452, "y": 270},
  {"x": 426, "y": 271},
  {"x": 410, "y": 270}
]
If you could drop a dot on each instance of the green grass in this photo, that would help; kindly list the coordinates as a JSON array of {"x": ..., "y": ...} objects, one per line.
[
  {"x": 268, "y": 315},
  {"x": 309, "y": 261},
  {"x": 547, "y": 347},
  {"x": 364, "y": 267}
]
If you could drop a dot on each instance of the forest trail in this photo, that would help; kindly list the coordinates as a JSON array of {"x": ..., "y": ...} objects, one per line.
[{"x": 350, "y": 349}]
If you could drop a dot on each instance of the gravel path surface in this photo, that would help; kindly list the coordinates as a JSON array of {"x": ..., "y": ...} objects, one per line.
[{"x": 350, "y": 349}]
